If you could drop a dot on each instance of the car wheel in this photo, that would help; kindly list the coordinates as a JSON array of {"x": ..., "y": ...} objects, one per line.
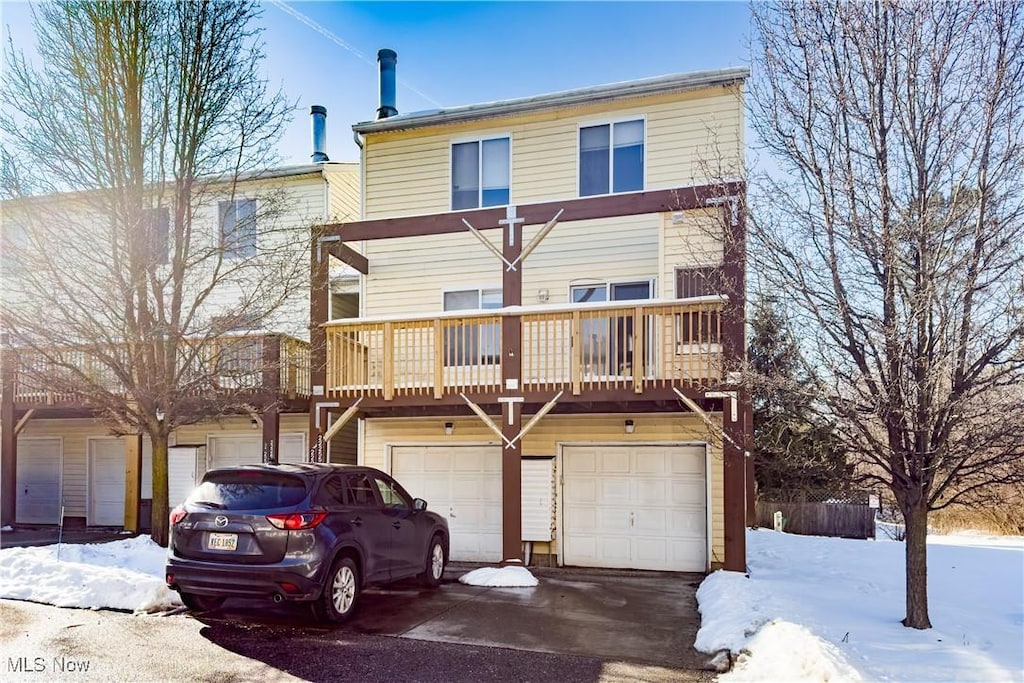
[
  {"x": 341, "y": 591},
  {"x": 201, "y": 603},
  {"x": 435, "y": 563}
]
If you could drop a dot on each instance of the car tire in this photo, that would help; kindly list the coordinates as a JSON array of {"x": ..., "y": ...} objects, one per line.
[
  {"x": 201, "y": 603},
  {"x": 434, "y": 566},
  {"x": 341, "y": 591}
]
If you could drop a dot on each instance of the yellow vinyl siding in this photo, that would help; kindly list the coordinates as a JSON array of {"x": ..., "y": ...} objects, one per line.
[
  {"x": 695, "y": 241},
  {"x": 196, "y": 435},
  {"x": 692, "y": 138},
  {"x": 380, "y": 434},
  {"x": 409, "y": 275},
  {"x": 343, "y": 197}
]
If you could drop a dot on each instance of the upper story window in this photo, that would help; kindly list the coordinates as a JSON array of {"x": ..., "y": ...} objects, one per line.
[
  {"x": 238, "y": 228},
  {"x": 612, "y": 158},
  {"x": 480, "y": 173},
  {"x": 157, "y": 224}
]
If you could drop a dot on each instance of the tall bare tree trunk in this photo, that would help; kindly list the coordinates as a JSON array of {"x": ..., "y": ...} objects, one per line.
[
  {"x": 160, "y": 514},
  {"x": 916, "y": 518}
]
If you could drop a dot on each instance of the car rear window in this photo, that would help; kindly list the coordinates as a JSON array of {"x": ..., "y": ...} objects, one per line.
[{"x": 248, "y": 491}]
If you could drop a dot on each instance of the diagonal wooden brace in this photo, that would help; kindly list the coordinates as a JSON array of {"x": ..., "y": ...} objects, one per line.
[
  {"x": 535, "y": 419},
  {"x": 536, "y": 240},
  {"x": 487, "y": 243},
  {"x": 485, "y": 417},
  {"x": 341, "y": 421},
  {"x": 699, "y": 412}
]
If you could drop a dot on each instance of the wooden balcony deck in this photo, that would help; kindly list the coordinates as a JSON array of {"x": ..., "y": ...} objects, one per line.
[
  {"x": 579, "y": 349},
  {"x": 269, "y": 364}
]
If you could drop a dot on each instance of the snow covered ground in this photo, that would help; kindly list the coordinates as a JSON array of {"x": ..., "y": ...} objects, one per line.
[
  {"x": 819, "y": 609},
  {"x": 126, "y": 574},
  {"x": 828, "y": 609}
]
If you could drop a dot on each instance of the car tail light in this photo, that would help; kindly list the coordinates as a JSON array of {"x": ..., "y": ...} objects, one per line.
[
  {"x": 178, "y": 514},
  {"x": 297, "y": 520}
]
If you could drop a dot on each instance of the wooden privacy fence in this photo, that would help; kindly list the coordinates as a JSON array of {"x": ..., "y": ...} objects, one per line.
[{"x": 843, "y": 520}]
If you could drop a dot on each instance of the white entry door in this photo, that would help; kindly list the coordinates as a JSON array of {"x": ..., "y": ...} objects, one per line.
[
  {"x": 635, "y": 507},
  {"x": 235, "y": 450},
  {"x": 38, "y": 481},
  {"x": 107, "y": 480},
  {"x": 463, "y": 484}
]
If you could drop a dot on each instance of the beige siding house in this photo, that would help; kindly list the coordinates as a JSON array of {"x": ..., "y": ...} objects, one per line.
[
  {"x": 550, "y": 318},
  {"x": 60, "y": 459}
]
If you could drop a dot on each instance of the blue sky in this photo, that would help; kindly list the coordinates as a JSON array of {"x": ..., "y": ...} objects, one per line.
[{"x": 457, "y": 53}]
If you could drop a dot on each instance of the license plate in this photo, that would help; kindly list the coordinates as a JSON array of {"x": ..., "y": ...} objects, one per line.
[{"x": 222, "y": 541}]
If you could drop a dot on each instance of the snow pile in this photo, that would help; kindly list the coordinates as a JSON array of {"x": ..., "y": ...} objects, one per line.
[
  {"x": 6, "y": 527},
  {"x": 781, "y": 651},
  {"x": 125, "y": 574},
  {"x": 830, "y": 609},
  {"x": 503, "y": 577}
]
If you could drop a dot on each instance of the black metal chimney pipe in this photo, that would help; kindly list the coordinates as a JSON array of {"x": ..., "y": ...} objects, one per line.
[{"x": 387, "y": 59}]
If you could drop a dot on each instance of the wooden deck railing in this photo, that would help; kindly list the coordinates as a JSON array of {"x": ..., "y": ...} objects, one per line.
[
  {"x": 582, "y": 348},
  {"x": 263, "y": 362}
]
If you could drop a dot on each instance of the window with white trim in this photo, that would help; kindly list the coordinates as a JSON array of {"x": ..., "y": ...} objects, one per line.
[
  {"x": 472, "y": 343},
  {"x": 480, "y": 173},
  {"x": 612, "y": 158},
  {"x": 238, "y": 228}
]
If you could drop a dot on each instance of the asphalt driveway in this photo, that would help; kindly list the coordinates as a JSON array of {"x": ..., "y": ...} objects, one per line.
[{"x": 647, "y": 618}]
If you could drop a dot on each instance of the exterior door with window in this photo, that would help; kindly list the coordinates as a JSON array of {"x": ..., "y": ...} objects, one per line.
[
  {"x": 469, "y": 342},
  {"x": 607, "y": 342}
]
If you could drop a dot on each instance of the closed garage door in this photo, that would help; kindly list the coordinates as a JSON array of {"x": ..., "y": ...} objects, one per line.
[
  {"x": 107, "y": 480},
  {"x": 232, "y": 451},
  {"x": 38, "y": 481},
  {"x": 463, "y": 484},
  {"x": 635, "y": 507}
]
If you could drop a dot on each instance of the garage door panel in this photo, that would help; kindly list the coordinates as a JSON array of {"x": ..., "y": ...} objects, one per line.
[
  {"x": 652, "y": 492},
  {"x": 644, "y": 507},
  {"x": 583, "y": 491},
  {"x": 688, "y": 461},
  {"x": 687, "y": 491},
  {"x": 462, "y": 483},
  {"x": 615, "y": 462},
  {"x": 614, "y": 491}
]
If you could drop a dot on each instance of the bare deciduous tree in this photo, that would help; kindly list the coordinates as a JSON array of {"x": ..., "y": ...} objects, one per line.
[
  {"x": 127, "y": 250},
  {"x": 894, "y": 229}
]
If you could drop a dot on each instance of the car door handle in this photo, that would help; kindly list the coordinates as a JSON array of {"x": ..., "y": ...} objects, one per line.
[
  {"x": 397, "y": 525},
  {"x": 358, "y": 521}
]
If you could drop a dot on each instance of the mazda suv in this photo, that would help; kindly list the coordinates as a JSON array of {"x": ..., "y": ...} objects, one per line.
[{"x": 317, "y": 533}]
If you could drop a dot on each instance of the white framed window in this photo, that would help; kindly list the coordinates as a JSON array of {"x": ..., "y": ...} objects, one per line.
[
  {"x": 612, "y": 157},
  {"x": 480, "y": 173},
  {"x": 472, "y": 343},
  {"x": 238, "y": 228}
]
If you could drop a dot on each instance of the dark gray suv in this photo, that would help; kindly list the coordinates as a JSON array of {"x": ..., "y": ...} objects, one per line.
[{"x": 313, "y": 532}]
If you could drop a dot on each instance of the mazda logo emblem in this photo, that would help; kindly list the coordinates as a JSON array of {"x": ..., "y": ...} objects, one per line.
[{"x": 221, "y": 520}]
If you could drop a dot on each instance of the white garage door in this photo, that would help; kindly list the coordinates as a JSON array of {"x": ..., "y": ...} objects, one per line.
[
  {"x": 635, "y": 507},
  {"x": 232, "y": 451},
  {"x": 182, "y": 471},
  {"x": 463, "y": 484},
  {"x": 38, "y": 481},
  {"x": 107, "y": 480}
]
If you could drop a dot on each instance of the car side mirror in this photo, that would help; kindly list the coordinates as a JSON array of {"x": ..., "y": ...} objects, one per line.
[{"x": 419, "y": 505}]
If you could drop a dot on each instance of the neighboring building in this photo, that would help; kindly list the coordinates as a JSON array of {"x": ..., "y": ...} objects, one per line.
[
  {"x": 57, "y": 456},
  {"x": 550, "y": 316}
]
